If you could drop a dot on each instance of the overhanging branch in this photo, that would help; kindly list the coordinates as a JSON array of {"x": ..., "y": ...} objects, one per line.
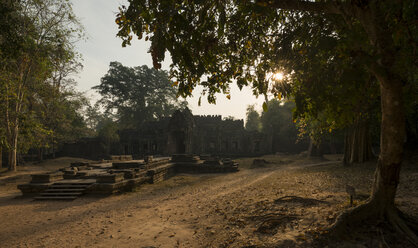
[{"x": 301, "y": 5}]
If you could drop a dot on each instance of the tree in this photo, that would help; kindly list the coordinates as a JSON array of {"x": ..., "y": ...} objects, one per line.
[
  {"x": 36, "y": 37},
  {"x": 136, "y": 95},
  {"x": 277, "y": 122},
  {"x": 93, "y": 117},
  {"x": 108, "y": 133},
  {"x": 253, "y": 119},
  {"x": 237, "y": 40},
  {"x": 332, "y": 90},
  {"x": 62, "y": 116}
]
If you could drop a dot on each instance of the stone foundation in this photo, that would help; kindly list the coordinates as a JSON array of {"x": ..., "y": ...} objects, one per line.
[{"x": 128, "y": 175}]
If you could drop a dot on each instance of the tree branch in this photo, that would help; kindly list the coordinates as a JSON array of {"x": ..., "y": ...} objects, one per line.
[{"x": 301, "y": 5}]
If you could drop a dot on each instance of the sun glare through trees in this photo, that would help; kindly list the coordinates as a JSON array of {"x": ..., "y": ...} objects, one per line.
[{"x": 330, "y": 91}]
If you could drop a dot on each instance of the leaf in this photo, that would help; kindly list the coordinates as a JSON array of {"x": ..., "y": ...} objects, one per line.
[
  {"x": 228, "y": 96},
  {"x": 265, "y": 108}
]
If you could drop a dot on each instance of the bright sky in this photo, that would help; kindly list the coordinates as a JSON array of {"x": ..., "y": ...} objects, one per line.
[{"x": 102, "y": 46}]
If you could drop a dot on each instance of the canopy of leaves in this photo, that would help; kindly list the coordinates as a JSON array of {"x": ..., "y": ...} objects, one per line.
[
  {"x": 38, "y": 106},
  {"x": 278, "y": 122},
  {"x": 244, "y": 40},
  {"x": 253, "y": 122},
  {"x": 139, "y": 94}
]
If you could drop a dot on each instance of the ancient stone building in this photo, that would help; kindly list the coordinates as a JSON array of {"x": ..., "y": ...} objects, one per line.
[
  {"x": 182, "y": 133},
  {"x": 194, "y": 134}
]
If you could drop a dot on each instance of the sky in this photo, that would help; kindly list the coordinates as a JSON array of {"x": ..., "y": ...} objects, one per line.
[{"x": 102, "y": 46}]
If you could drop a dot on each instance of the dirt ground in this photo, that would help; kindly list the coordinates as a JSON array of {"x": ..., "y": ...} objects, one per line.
[{"x": 287, "y": 203}]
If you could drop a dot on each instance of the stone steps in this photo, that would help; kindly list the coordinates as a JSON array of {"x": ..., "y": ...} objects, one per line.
[
  {"x": 68, "y": 198},
  {"x": 70, "y": 186},
  {"x": 65, "y": 190},
  {"x": 62, "y": 193}
]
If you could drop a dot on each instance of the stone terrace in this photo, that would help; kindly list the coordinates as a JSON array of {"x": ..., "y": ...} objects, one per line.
[{"x": 121, "y": 174}]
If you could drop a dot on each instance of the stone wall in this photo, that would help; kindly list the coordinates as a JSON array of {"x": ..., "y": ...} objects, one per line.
[{"x": 182, "y": 133}]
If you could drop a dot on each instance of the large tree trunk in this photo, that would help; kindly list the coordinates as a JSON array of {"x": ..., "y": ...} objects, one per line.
[
  {"x": 391, "y": 142},
  {"x": 381, "y": 204},
  {"x": 357, "y": 144}
]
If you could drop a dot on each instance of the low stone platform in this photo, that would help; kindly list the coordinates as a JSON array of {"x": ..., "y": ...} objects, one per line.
[
  {"x": 66, "y": 189},
  {"x": 108, "y": 178}
]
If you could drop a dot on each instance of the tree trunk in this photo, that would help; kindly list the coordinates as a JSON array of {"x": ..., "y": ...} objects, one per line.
[
  {"x": 392, "y": 139},
  {"x": 13, "y": 151},
  {"x": 12, "y": 160},
  {"x": 314, "y": 150},
  {"x": 381, "y": 204},
  {"x": 53, "y": 150},
  {"x": 357, "y": 144},
  {"x": 40, "y": 154},
  {"x": 1, "y": 157}
]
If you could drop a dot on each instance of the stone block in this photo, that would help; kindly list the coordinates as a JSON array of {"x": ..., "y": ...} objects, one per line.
[
  {"x": 30, "y": 189},
  {"x": 78, "y": 164},
  {"x": 212, "y": 161},
  {"x": 127, "y": 173},
  {"x": 120, "y": 157},
  {"x": 46, "y": 178},
  {"x": 184, "y": 158},
  {"x": 148, "y": 159},
  {"x": 110, "y": 178},
  {"x": 128, "y": 165},
  {"x": 161, "y": 173}
]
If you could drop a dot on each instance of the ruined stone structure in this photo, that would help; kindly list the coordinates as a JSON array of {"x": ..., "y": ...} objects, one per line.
[
  {"x": 182, "y": 133},
  {"x": 121, "y": 174},
  {"x": 191, "y": 134}
]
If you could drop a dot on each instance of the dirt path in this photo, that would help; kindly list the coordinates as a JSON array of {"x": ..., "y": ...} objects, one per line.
[
  {"x": 211, "y": 210},
  {"x": 171, "y": 214}
]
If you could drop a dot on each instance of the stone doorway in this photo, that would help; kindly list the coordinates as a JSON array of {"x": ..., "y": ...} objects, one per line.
[{"x": 179, "y": 142}]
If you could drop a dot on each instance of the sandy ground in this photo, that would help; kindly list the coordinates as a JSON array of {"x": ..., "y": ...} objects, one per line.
[{"x": 285, "y": 204}]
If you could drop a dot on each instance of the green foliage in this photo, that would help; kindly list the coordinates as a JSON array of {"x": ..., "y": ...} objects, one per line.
[
  {"x": 334, "y": 55},
  {"x": 36, "y": 57},
  {"x": 253, "y": 122},
  {"x": 327, "y": 57},
  {"x": 278, "y": 121},
  {"x": 332, "y": 89},
  {"x": 108, "y": 133},
  {"x": 223, "y": 41},
  {"x": 93, "y": 117},
  {"x": 139, "y": 94},
  {"x": 61, "y": 115}
]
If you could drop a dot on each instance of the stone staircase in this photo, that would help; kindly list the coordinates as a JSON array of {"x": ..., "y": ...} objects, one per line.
[{"x": 65, "y": 190}]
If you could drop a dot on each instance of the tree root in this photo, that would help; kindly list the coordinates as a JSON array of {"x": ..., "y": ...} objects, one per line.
[
  {"x": 272, "y": 222},
  {"x": 401, "y": 226},
  {"x": 372, "y": 213},
  {"x": 410, "y": 221}
]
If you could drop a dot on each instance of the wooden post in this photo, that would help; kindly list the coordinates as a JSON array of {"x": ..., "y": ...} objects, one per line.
[{"x": 351, "y": 191}]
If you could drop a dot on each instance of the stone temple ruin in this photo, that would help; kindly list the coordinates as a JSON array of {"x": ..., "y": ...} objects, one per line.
[
  {"x": 181, "y": 133},
  {"x": 152, "y": 153},
  {"x": 119, "y": 175}
]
